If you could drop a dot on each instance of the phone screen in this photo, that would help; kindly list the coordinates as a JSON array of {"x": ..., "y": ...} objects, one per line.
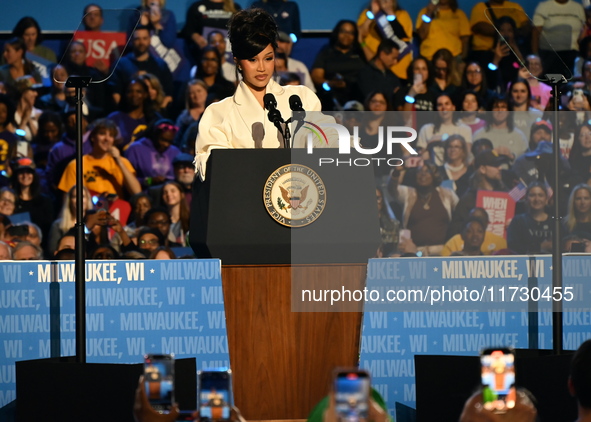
[
  {"x": 215, "y": 394},
  {"x": 498, "y": 379},
  {"x": 418, "y": 78},
  {"x": 405, "y": 234},
  {"x": 352, "y": 396},
  {"x": 159, "y": 381}
]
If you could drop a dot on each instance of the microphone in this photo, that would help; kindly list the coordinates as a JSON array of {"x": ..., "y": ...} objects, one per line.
[
  {"x": 270, "y": 101},
  {"x": 271, "y": 105},
  {"x": 297, "y": 108},
  {"x": 295, "y": 103},
  {"x": 258, "y": 133},
  {"x": 274, "y": 116}
]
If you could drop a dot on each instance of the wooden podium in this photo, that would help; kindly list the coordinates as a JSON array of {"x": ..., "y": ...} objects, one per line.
[
  {"x": 282, "y": 361},
  {"x": 283, "y": 350}
]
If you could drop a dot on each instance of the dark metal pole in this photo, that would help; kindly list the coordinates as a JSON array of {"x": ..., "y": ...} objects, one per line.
[
  {"x": 80, "y": 82},
  {"x": 555, "y": 80}
]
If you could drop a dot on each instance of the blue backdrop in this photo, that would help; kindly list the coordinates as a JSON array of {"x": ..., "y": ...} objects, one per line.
[
  {"x": 137, "y": 307},
  {"x": 133, "y": 307},
  {"x": 390, "y": 340}
]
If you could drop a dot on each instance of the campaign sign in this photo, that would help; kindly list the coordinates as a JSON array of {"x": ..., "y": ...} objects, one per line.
[
  {"x": 101, "y": 46},
  {"x": 132, "y": 308},
  {"x": 500, "y": 208},
  {"x": 391, "y": 339}
]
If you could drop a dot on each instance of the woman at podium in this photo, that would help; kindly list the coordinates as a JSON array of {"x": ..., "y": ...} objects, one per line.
[{"x": 241, "y": 121}]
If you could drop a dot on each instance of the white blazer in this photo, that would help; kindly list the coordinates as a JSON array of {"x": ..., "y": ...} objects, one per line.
[{"x": 228, "y": 123}]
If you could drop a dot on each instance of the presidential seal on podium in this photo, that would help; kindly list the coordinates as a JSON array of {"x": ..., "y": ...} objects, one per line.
[{"x": 294, "y": 195}]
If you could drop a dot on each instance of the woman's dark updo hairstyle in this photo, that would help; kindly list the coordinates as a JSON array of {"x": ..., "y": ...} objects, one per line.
[{"x": 250, "y": 32}]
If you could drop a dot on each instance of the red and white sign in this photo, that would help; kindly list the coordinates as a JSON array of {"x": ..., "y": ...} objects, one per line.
[
  {"x": 500, "y": 208},
  {"x": 103, "y": 46}
]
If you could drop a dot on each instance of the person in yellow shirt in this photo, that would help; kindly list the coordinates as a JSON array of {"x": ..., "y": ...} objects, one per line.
[
  {"x": 492, "y": 242},
  {"x": 443, "y": 25},
  {"x": 105, "y": 170},
  {"x": 485, "y": 34},
  {"x": 370, "y": 35}
]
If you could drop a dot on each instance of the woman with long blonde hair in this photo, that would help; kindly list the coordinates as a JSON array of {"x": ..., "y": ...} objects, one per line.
[
  {"x": 447, "y": 78},
  {"x": 157, "y": 95},
  {"x": 195, "y": 102},
  {"x": 67, "y": 216},
  {"x": 578, "y": 218}
]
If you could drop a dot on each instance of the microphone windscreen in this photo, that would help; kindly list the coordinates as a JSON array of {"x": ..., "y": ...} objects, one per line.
[
  {"x": 258, "y": 134},
  {"x": 295, "y": 103},
  {"x": 269, "y": 101}
]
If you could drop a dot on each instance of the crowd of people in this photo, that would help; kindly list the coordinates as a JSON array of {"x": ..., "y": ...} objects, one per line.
[
  {"x": 522, "y": 407},
  {"x": 471, "y": 88},
  {"x": 471, "y": 82}
]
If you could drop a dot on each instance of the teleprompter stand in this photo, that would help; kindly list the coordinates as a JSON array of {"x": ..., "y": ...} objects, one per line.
[
  {"x": 555, "y": 80},
  {"x": 70, "y": 389}
]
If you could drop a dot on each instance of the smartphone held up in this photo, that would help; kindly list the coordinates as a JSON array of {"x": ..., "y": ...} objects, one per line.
[
  {"x": 351, "y": 388},
  {"x": 159, "y": 381},
  {"x": 215, "y": 394},
  {"x": 498, "y": 379}
]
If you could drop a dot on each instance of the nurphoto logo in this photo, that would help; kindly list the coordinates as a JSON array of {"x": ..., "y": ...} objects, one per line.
[{"x": 384, "y": 148}]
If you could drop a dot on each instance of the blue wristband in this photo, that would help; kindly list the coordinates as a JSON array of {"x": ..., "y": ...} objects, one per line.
[
  {"x": 369, "y": 15},
  {"x": 493, "y": 66},
  {"x": 325, "y": 86},
  {"x": 426, "y": 19},
  {"x": 409, "y": 99}
]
